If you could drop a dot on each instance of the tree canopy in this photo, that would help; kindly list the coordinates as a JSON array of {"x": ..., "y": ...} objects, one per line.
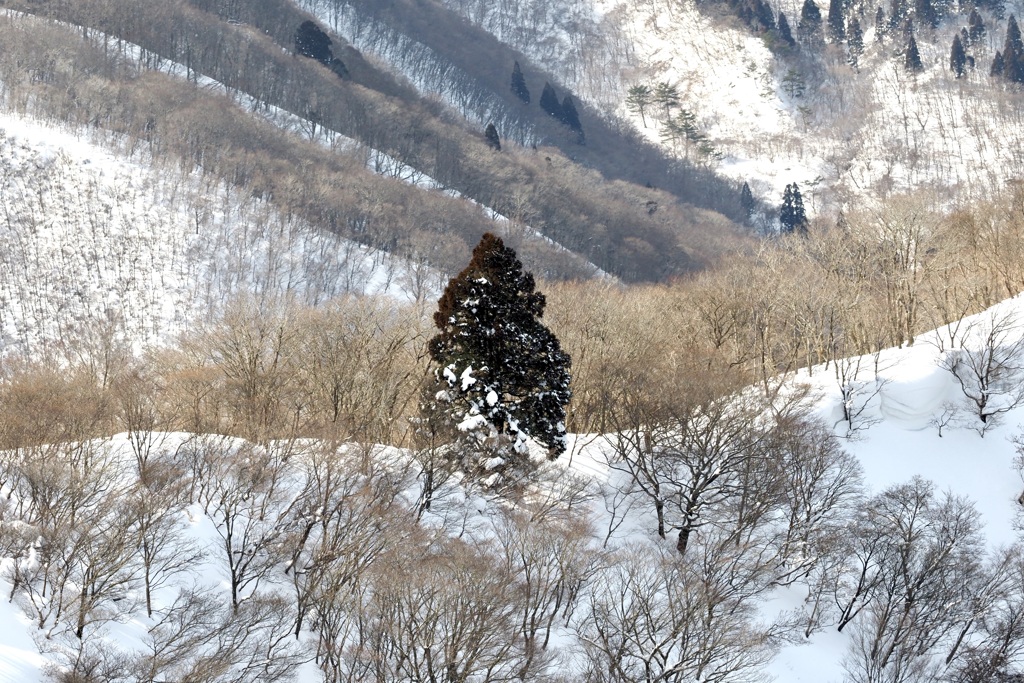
[{"x": 501, "y": 375}]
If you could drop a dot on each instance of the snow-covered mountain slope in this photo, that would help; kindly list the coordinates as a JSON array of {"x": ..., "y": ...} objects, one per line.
[
  {"x": 846, "y": 135},
  {"x": 906, "y": 415},
  {"x": 94, "y": 237}
]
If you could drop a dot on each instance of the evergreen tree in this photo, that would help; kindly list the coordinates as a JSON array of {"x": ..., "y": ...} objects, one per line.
[
  {"x": 1013, "y": 53},
  {"x": 957, "y": 57},
  {"x": 925, "y": 12},
  {"x": 997, "y": 65},
  {"x": 339, "y": 68},
  {"x": 881, "y": 26},
  {"x": 855, "y": 41},
  {"x": 549, "y": 101},
  {"x": 912, "y": 58},
  {"x": 784, "y": 31},
  {"x": 312, "y": 42},
  {"x": 792, "y": 217},
  {"x": 501, "y": 376},
  {"x": 747, "y": 201},
  {"x": 897, "y": 15},
  {"x": 763, "y": 15},
  {"x": 976, "y": 27},
  {"x": 836, "y": 24},
  {"x": 519, "y": 88},
  {"x": 491, "y": 136},
  {"x": 809, "y": 27},
  {"x": 638, "y": 99},
  {"x": 667, "y": 95},
  {"x": 571, "y": 118},
  {"x": 965, "y": 38}
]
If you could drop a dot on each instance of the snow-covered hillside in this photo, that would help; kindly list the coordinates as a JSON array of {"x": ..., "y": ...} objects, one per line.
[
  {"x": 906, "y": 415},
  {"x": 846, "y": 135},
  {"x": 94, "y": 238}
]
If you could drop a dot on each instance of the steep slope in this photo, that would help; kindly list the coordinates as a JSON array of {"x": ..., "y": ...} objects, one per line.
[
  {"x": 94, "y": 239},
  {"x": 773, "y": 115},
  {"x": 634, "y": 232}
]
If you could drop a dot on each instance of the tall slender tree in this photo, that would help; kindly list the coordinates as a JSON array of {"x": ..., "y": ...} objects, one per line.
[
  {"x": 997, "y": 65},
  {"x": 518, "y": 86},
  {"x": 855, "y": 41},
  {"x": 836, "y": 22},
  {"x": 549, "y": 101},
  {"x": 492, "y": 138},
  {"x": 1013, "y": 52},
  {"x": 976, "y": 26},
  {"x": 912, "y": 57},
  {"x": 792, "y": 216},
  {"x": 809, "y": 28},
  {"x": 638, "y": 99},
  {"x": 784, "y": 31},
  {"x": 957, "y": 57},
  {"x": 571, "y": 118}
]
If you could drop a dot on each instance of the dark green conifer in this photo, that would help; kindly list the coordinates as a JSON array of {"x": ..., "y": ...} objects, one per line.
[
  {"x": 784, "y": 31},
  {"x": 549, "y": 101},
  {"x": 836, "y": 23},
  {"x": 809, "y": 27},
  {"x": 912, "y": 58},
  {"x": 855, "y": 41},
  {"x": 957, "y": 58},
  {"x": 519, "y": 88},
  {"x": 491, "y": 136},
  {"x": 501, "y": 376},
  {"x": 312, "y": 42},
  {"x": 997, "y": 65},
  {"x": 571, "y": 118},
  {"x": 976, "y": 26},
  {"x": 792, "y": 217},
  {"x": 1013, "y": 52}
]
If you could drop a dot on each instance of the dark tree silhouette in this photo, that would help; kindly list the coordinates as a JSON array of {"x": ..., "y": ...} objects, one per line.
[
  {"x": 881, "y": 25},
  {"x": 549, "y": 101},
  {"x": 784, "y": 31},
  {"x": 519, "y": 88},
  {"x": 925, "y": 12},
  {"x": 912, "y": 58},
  {"x": 747, "y": 200},
  {"x": 501, "y": 375},
  {"x": 792, "y": 217},
  {"x": 810, "y": 22},
  {"x": 491, "y": 136},
  {"x": 763, "y": 16},
  {"x": 571, "y": 118},
  {"x": 836, "y": 23},
  {"x": 312, "y": 42},
  {"x": 1013, "y": 53},
  {"x": 957, "y": 57},
  {"x": 855, "y": 41},
  {"x": 997, "y": 65},
  {"x": 976, "y": 26}
]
